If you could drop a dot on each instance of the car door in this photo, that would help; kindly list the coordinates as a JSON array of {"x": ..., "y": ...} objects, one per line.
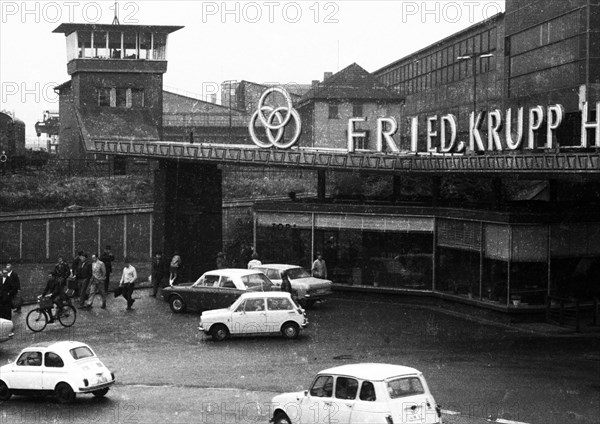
[
  {"x": 279, "y": 310},
  {"x": 314, "y": 407},
  {"x": 27, "y": 372},
  {"x": 203, "y": 294},
  {"x": 250, "y": 317},
  {"x": 226, "y": 293},
  {"x": 53, "y": 370},
  {"x": 343, "y": 400}
]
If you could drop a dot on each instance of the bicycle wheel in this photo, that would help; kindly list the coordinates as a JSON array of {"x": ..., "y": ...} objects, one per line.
[
  {"x": 67, "y": 316},
  {"x": 37, "y": 320}
]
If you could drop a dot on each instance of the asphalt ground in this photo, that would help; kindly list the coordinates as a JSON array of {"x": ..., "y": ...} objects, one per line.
[{"x": 169, "y": 372}]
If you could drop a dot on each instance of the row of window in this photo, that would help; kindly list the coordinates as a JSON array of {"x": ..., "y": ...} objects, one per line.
[
  {"x": 347, "y": 388},
  {"x": 561, "y": 28},
  {"x": 447, "y": 59},
  {"x": 116, "y": 45},
  {"x": 121, "y": 97}
]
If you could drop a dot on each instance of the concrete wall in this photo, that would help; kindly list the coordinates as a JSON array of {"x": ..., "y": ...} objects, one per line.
[{"x": 41, "y": 237}]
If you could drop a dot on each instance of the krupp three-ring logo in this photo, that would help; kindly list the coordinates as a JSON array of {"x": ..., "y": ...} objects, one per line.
[{"x": 274, "y": 121}]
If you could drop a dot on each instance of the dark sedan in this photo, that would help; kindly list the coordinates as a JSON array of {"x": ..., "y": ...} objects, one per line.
[{"x": 215, "y": 289}]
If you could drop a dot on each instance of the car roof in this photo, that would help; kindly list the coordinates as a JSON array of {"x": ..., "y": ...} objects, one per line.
[
  {"x": 371, "y": 371},
  {"x": 250, "y": 295},
  {"x": 60, "y": 345},
  {"x": 233, "y": 272},
  {"x": 277, "y": 266}
]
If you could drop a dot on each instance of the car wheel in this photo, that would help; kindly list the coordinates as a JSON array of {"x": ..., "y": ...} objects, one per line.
[
  {"x": 5, "y": 393},
  {"x": 64, "y": 393},
  {"x": 177, "y": 304},
  {"x": 100, "y": 393},
  {"x": 290, "y": 330},
  {"x": 281, "y": 418},
  {"x": 219, "y": 332}
]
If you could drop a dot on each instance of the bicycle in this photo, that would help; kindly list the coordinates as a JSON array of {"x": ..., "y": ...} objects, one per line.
[{"x": 38, "y": 318}]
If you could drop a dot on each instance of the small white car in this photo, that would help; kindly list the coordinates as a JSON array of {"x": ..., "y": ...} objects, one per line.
[
  {"x": 62, "y": 369},
  {"x": 255, "y": 313},
  {"x": 6, "y": 329},
  {"x": 306, "y": 288},
  {"x": 360, "y": 393}
]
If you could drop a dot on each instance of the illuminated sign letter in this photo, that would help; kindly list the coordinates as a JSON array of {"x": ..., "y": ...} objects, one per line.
[
  {"x": 414, "y": 134},
  {"x": 381, "y": 134},
  {"x": 431, "y": 132},
  {"x": 474, "y": 134},
  {"x": 494, "y": 126},
  {"x": 555, "y": 117},
  {"x": 451, "y": 121},
  {"x": 352, "y": 133},
  {"x": 536, "y": 118},
  {"x": 585, "y": 125},
  {"x": 514, "y": 144}
]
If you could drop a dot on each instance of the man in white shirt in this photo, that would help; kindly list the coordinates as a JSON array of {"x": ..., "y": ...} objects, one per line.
[
  {"x": 127, "y": 281},
  {"x": 254, "y": 261}
]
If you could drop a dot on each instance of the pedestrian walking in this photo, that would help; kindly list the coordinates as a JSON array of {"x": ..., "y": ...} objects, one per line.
[
  {"x": 159, "y": 272},
  {"x": 319, "y": 267},
  {"x": 107, "y": 258},
  {"x": 254, "y": 261},
  {"x": 6, "y": 295},
  {"x": 16, "y": 299},
  {"x": 96, "y": 283},
  {"x": 286, "y": 285},
  {"x": 127, "y": 282},
  {"x": 83, "y": 276},
  {"x": 175, "y": 266}
]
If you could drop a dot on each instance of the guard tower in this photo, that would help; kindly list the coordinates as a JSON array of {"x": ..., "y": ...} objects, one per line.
[{"x": 115, "y": 91}]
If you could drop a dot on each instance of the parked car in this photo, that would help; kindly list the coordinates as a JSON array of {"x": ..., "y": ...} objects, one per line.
[
  {"x": 256, "y": 313},
  {"x": 360, "y": 393},
  {"x": 62, "y": 369},
  {"x": 215, "y": 289},
  {"x": 6, "y": 329},
  {"x": 305, "y": 287}
]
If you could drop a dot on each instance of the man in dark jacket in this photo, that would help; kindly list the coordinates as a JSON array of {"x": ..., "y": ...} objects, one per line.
[
  {"x": 107, "y": 257},
  {"x": 83, "y": 275},
  {"x": 16, "y": 284},
  {"x": 160, "y": 269},
  {"x": 6, "y": 294},
  {"x": 56, "y": 290}
]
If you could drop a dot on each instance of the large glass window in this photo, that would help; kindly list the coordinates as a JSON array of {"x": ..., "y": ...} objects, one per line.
[
  {"x": 346, "y": 388},
  {"x": 100, "y": 50},
  {"x": 160, "y": 46},
  {"x": 130, "y": 45}
]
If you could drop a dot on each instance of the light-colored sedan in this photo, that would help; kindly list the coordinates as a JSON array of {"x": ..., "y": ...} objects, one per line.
[
  {"x": 305, "y": 287},
  {"x": 256, "y": 313},
  {"x": 360, "y": 393},
  {"x": 6, "y": 329},
  {"x": 62, "y": 369}
]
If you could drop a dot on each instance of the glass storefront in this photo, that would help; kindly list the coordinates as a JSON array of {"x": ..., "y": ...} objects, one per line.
[{"x": 504, "y": 264}]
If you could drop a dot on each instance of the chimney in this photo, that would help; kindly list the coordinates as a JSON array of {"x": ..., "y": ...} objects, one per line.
[{"x": 327, "y": 75}]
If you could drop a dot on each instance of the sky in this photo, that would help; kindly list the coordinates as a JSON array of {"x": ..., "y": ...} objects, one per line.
[{"x": 261, "y": 41}]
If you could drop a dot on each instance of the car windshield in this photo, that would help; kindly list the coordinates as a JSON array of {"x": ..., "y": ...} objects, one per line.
[
  {"x": 206, "y": 281},
  {"x": 295, "y": 273},
  {"x": 406, "y": 386},
  {"x": 257, "y": 281},
  {"x": 81, "y": 352}
]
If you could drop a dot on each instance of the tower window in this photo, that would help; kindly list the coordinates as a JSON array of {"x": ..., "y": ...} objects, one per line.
[{"x": 121, "y": 97}]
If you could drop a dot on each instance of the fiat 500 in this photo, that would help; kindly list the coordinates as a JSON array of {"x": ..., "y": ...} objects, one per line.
[
  {"x": 360, "y": 393},
  {"x": 255, "y": 313},
  {"x": 62, "y": 369}
]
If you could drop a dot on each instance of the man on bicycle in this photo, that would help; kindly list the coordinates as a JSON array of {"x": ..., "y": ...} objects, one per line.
[{"x": 55, "y": 290}]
